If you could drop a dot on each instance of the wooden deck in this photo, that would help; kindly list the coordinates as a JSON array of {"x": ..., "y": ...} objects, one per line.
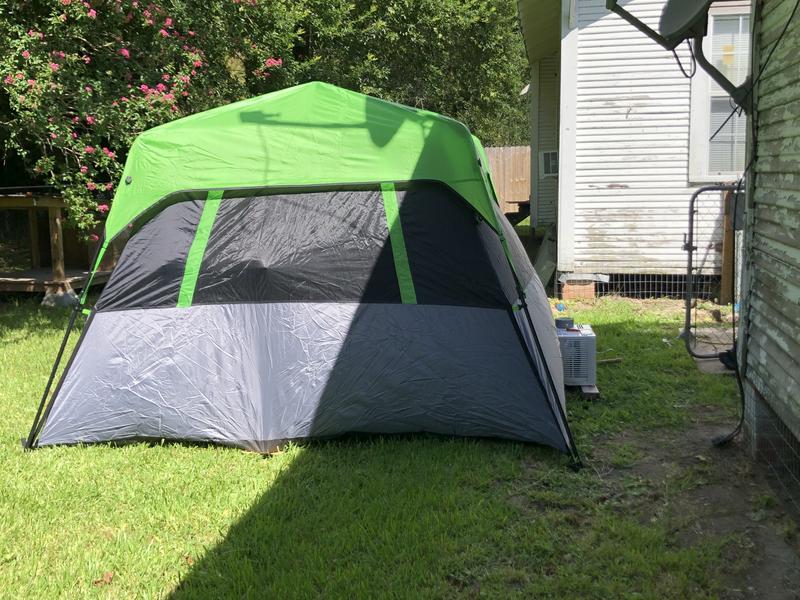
[{"x": 41, "y": 280}]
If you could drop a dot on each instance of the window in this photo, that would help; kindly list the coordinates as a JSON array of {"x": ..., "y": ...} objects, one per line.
[
  {"x": 727, "y": 47},
  {"x": 548, "y": 163}
]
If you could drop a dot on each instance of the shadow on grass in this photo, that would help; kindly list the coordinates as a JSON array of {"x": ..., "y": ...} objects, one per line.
[
  {"x": 368, "y": 516},
  {"x": 430, "y": 516},
  {"x": 23, "y": 314}
]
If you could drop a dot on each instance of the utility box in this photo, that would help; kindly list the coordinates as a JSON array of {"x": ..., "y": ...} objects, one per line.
[{"x": 579, "y": 355}]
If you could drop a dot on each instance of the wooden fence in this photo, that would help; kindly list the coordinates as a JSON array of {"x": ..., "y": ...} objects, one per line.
[{"x": 511, "y": 172}]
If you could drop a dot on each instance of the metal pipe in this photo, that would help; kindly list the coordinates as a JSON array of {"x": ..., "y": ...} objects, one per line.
[
  {"x": 739, "y": 94},
  {"x": 689, "y": 246}
]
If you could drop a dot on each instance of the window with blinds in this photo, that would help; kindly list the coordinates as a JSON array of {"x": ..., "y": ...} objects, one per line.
[{"x": 730, "y": 51}]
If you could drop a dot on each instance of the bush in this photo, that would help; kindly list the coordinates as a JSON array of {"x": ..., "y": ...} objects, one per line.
[{"x": 79, "y": 80}]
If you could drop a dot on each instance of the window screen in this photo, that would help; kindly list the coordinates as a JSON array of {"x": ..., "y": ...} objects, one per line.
[{"x": 730, "y": 51}]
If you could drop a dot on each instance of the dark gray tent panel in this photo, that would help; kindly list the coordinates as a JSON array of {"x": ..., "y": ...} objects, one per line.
[{"x": 249, "y": 317}]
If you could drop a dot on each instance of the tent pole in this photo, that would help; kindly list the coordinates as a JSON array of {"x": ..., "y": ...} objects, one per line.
[
  {"x": 577, "y": 463},
  {"x": 41, "y": 414},
  {"x": 28, "y": 443}
]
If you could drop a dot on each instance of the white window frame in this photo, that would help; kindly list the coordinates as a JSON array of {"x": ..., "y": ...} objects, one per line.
[
  {"x": 542, "y": 170},
  {"x": 700, "y": 117}
]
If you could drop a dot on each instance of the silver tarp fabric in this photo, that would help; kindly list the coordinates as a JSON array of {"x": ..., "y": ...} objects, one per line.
[{"x": 254, "y": 374}]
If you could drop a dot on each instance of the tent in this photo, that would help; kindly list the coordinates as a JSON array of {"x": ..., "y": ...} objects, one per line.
[{"x": 309, "y": 263}]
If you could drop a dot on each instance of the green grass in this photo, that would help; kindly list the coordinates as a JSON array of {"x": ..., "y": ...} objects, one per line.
[{"x": 404, "y": 517}]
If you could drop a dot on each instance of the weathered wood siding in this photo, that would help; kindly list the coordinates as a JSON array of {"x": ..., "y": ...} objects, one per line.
[
  {"x": 511, "y": 174},
  {"x": 628, "y": 200},
  {"x": 773, "y": 317},
  {"x": 545, "y": 137}
]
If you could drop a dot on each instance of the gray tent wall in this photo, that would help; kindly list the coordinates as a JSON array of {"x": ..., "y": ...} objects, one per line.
[{"x": 301, "y": 325}]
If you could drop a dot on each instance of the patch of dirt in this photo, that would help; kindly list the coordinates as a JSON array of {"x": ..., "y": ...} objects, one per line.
[{"x": 699, "y": 491}]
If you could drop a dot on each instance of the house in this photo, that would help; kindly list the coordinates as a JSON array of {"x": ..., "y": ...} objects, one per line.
[
  {"x": 633, "y": 140},
  {"x": 770, "y": 328},
  {"x": 620, "y": 141}
]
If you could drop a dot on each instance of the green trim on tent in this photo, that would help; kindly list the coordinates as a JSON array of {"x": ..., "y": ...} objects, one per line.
[
  {"x": 407, "y": 292},
  {"x": 311, "y": 134},
  {"x": 100, "y": 253},
  {"x": 198, "y": 248}
]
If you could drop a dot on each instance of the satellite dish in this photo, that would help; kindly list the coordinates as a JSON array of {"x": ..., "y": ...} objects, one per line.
[
  {"x": 685, "y": 20},
  {"x": 682, "y": 19}
]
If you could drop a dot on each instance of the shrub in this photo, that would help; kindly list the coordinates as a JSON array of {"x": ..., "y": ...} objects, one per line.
[{"x": 80, "y": 80}]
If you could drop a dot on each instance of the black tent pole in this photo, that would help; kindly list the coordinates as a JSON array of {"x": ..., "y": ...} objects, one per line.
[
  {"x": 577, "y": 463},
  {"x": 37, "y": 420},
  {"x": 576, "y": 458},
  {"x": 28, "y": 443}
]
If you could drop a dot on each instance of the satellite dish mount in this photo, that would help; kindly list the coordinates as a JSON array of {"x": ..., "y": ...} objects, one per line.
[{"x": 686, "y": 20}]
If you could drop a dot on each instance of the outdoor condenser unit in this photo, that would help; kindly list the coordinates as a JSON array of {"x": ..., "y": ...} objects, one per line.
[{"x": 578, "y": 353}]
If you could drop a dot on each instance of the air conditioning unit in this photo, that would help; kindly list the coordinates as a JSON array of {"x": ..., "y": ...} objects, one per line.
[{"x": 578, "y": 354}]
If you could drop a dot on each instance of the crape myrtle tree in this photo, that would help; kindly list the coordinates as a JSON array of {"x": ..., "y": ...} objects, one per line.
[{"x": 79, "y": 80}]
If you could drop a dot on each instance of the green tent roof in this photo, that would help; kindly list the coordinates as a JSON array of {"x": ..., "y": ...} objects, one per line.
[{"x": 311, "y": 134}]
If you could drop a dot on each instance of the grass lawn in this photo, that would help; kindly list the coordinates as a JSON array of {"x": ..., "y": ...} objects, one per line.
[{"x": 656, "y": 513}]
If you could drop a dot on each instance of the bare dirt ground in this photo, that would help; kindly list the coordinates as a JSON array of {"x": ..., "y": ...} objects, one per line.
[{"x": 700, "y": 490}]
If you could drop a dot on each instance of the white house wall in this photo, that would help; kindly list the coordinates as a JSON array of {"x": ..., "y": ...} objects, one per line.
[
  {"x": 627, "y": 204},
  {"x": 545, "y": 137}
]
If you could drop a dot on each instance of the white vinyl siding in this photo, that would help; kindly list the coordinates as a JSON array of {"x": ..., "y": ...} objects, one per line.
[
  {"x": 629, "y": 201},
  {"x": 545, "y": 137}
]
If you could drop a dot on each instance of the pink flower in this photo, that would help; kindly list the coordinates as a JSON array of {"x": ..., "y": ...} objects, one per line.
[
  {"x": 62, "y": 17},
  {"x": 20, "y": 76},
  {"x": 59, "y": 53},
  {"x": 89, "y": 119},
  {"x": 169, "y": 97},
  {"x": 165, "y": 77},
  {"x": 184, "y": 93},
  {"x": 161, "y": 87},
  {"x": 93, "y": 237},
  {"x": 193, "y": 72},
  {"x": 53, "y": 67},
  {"x": 197, "y": 63},
  {"x": 145, "y": 88},
  {"x": 66, "y": 2},
  {"x": 53, "y": 136},
  {"x": 273, "y": 62},
  {"x": 91, "y": 186},
  {"x": 102, "y": 208},
  {"x": 92, "y": 13},
  {"x": 115, "y": 103},
  {"x": 31, "y": 82},
  {"x": 88, "y": 88},
  {"x": 33, "y": 33},
  {"x": 191, "y": 33},
  {"x": 163, "y": 33},
  {"x": 75, "y": 119},
  {"x": 87, "y": 59},
  {"x": 8, "y": 80},
  {"x": 147, "y": 13},
  {"x": 185, "y": 78},
  {"x": 26, "y": 54},
  {"x": 168, "y": 22},
  {"x": 109, "y": 153},
  {"x": 125, "y": 52},
  {"x": 84, "y": 169},
  {"x": 109, "y": 186},
  {"x": 74, "y": 135},
  {"x": 89, "y": 149},
  {"x": 123, "y": 99}
]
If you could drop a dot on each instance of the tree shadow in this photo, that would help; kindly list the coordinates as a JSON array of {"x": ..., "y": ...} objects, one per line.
[{"x": 360, "y": 517}]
